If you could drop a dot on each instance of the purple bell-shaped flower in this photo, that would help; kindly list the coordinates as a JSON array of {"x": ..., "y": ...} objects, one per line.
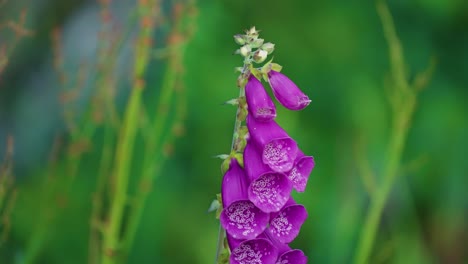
[
  {"x": 240, "y": 217},
  {"x": 287, "y": 92},
  {"x": 259, "y": 103},
  {"x": 278, "y": 149}
]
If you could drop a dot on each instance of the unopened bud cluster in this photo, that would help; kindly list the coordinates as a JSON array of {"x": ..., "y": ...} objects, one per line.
[{"x": 252, "y": 47}]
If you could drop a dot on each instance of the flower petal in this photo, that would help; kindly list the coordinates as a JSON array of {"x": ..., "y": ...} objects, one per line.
[
  {"x": 235, "y": 184},
  {"x": 287, "y": 92},
  {"x": 253, "y": 163},
  {"x": 270, "y": 191},
  {"x": 259, "y": 103},
  {"x": 254, "y": 251},
  {"x": 299, "y": 174},
  {"x": 243, "y": 220},
  {"x": 278, "y": 149},
  {"x": 294, "y": 256},
  {"x": 286, "y": 224}
]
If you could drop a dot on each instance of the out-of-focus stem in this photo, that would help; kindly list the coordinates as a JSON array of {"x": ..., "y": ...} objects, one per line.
[
  {"x": 379, "y": 198},
  {"x": 154, "y": 158},
  {"x": 113, "y": 229},
  {"x": 403, "y": 101},
  {"x": 98, "y": 198}
]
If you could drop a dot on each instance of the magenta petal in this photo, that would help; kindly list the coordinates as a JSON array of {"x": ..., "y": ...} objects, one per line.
[
  {"x": 243, "y": 220},
  {"x": 299, "y": 174},
  {"x": 259, "y": 102},
  {"x": 255, "y": 251},
  {"x": 294, "y": 256},
  {"x": 270, "y": 191},
  {"x": 235, "y": 184},
  {"x": 232, "y": 242},
  {"x": 253, "y": 163},
  {"x": 278, "y": 149},
  {"x": 287, "y": 92},
  {"x": 286, "y": 224}
]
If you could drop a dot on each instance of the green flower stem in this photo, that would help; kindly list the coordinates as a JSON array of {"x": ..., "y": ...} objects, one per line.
[
  {"x": 112, "y": 230},
  {"x": 235, "y": 137}
]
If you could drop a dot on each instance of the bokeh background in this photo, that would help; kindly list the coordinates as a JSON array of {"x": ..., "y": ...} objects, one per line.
[{"x": 336, "y": 53}]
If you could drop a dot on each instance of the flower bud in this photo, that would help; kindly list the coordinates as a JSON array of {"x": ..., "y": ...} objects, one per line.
[
  {"x": 253, "y": 33},
  {"x": 239, "y": 39},
  {"x": 260, "y": 56},
  {"x": 256, "y": 43},
  {"x": 268, "y": 47},
  {"x": 245, "y": 50}
]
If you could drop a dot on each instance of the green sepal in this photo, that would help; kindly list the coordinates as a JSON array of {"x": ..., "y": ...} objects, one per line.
[
  {"x": 240, "y": 158},
  {"x": 276, "y": 67},
  {"x": 256, "y": 72},
  {"x": 225, "y": 165},
  {"x": 267, "y": 67}
]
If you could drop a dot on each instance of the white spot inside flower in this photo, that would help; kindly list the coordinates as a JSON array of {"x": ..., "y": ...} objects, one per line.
[
  {"x": 277, "y": 154},
  {"x": 246, "y": 254},
  {"x": 268, "y": 192},
  {"x": 294, "y": 175},
  {"x": 280, "y": 225},
  {"x": 242, "y": 216},
  {"x": 264, "y": 112}
]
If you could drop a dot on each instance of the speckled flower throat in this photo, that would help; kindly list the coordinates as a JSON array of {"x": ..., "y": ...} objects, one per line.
[{"x": 258, "y": 216}]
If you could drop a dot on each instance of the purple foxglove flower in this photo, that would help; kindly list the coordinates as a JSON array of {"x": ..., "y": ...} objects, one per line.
[
  {"x": 278, "y": 149},
  {"x": 286, "y": 92},
  {"x": 259, "y": 103},
  {"x": 253, "y": 163},
  {"x": 270, "y": 191},
  {"x": 240, "y": 217},
  {"x": 286, "y": 224},
  {"x": 254, "y": 251},
  {"x": 299, "y": 174}
]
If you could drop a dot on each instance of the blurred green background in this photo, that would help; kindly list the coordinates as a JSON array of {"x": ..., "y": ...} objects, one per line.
[{"x": 335, "y": 51}]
